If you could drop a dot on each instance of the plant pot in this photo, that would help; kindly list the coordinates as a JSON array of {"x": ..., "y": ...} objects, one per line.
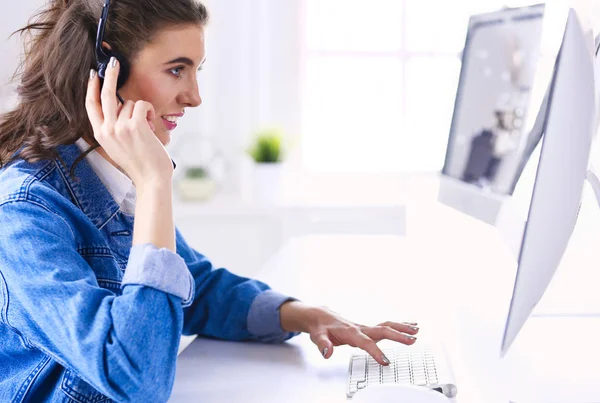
[
  {"x": 266, "y": 183},
  {"x": 201, "y": 189}
]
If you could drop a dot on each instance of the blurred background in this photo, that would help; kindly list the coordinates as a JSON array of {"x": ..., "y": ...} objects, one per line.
[
  {"x": 353, "y": 100},
  {"x": 362, "y": 91}
]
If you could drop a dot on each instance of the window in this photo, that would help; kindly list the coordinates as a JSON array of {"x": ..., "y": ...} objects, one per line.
[{"x": 379, "y": 82}]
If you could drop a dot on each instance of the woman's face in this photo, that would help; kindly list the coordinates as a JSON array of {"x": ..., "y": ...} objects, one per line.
[{"x": 164, "y": 73}]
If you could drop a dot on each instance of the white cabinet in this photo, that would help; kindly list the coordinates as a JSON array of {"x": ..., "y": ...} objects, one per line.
[{"x": 242, "y": 237}]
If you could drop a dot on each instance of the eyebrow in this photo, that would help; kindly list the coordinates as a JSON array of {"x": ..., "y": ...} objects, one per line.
[{"x": 185, "y": 60}]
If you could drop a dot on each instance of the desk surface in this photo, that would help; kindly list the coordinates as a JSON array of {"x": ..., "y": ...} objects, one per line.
[
  {"x": 368, "y": 279},
  {"x": 216, "y": 371},
  {"x": 451, "y": 274}
]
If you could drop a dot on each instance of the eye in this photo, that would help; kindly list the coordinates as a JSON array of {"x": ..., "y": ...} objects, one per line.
[{"x": 176, "y": 71}]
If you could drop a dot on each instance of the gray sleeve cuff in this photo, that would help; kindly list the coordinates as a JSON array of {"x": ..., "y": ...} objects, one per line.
[
  {"x": 264, "y": 319},
  {"x": 161, "y": 269}
]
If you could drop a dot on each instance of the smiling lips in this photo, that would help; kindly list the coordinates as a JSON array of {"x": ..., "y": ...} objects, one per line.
[{"x": 170, "y": 121}]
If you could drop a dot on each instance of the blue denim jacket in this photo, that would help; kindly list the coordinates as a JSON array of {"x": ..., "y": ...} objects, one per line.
[{"x": 84, "y": 317}]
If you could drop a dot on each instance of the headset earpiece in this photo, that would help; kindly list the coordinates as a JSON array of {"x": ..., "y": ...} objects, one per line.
[{"x": 102, "y": 60}]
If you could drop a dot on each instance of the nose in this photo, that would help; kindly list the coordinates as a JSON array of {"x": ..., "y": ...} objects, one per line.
[{"x": 191, "y": 97}]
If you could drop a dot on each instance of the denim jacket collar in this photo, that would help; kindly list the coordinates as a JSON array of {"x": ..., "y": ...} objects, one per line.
[{"x": 89, "y": 193}]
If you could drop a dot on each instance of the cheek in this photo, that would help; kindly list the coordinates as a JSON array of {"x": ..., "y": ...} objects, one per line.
[
  {"x": 152, "y": 89},
  {"x": 151, "y": 93}
]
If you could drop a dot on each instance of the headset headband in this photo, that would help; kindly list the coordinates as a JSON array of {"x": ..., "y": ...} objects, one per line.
[{"x": 101, "y": 25}]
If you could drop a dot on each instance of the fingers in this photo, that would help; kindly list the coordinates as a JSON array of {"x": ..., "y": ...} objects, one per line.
[
  {"x": 123, "y": 120},
  {"x": 409, "y": 328},
  {"x": 109, "y": 92},
  {"x": 92, "y": 101},
  {"x": 364, "y": 342},
  {"x": 385, "y": 332},
  {"x": 324, "y": 344},
  {"x": 144, "y": 112},
  {"x": 126, "y": 110}
]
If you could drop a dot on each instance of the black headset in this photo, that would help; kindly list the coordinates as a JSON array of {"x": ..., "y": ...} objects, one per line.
[{"x": 103, "y": 55}]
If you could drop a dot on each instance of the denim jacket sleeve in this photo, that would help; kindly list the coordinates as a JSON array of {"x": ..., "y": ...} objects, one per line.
[
  {"x": 124, "y": 346},
  {"x": 228, "y": 306}
]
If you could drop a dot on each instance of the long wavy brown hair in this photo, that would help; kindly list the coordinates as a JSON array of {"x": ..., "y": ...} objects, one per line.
[{"x": 59, "y": 44}]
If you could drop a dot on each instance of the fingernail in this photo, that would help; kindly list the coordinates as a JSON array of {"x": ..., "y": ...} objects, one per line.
[
  {"x": 411, "y": 338},
  {"x": 325, "y": 350},
  {"x": 92, "y": 74},
  {"x": 414, "y": 328},
  {"x": 113, "y": 61},
  {"x": 385, "y": 359},
  {"x": 412, "y": 323}
]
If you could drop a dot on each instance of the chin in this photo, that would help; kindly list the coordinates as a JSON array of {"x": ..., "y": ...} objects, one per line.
[{"x": 164, "y": 138}]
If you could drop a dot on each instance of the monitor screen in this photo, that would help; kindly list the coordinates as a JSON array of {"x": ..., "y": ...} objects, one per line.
[
  {"x": 493, "y": 146},
  {"x": 497, "y": 99}
]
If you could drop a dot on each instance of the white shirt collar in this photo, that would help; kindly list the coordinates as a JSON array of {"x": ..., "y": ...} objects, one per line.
[{"x": 120, "y": 187}]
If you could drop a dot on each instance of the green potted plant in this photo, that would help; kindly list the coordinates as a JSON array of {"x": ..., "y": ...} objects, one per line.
[
  {"x": 266, "y": 151},
  {"x": 196, "y": 184},
  {"x": 266, "y": 148}
]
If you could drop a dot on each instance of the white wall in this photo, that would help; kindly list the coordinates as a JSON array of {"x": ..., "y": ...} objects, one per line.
[{"x": 249, "y": 80}]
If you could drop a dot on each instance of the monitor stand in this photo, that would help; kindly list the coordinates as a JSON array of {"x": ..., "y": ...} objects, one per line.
[{"x": 592, "y": 178}]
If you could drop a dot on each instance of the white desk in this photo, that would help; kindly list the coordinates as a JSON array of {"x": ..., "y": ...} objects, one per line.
[
  {"x": 456, "y": 286},
  {"x": 368, "y": 279}
]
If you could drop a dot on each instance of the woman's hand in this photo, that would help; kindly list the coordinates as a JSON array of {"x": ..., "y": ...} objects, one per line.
[
  {"x": 125, "y": 132},
  {"x": 327, "y": 329}
]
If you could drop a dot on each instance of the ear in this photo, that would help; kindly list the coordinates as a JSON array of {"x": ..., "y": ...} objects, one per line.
[{"x": 106, "y": 45}]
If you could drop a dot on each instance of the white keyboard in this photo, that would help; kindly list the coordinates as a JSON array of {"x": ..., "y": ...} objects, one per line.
[{"x": 420, "y": 364}]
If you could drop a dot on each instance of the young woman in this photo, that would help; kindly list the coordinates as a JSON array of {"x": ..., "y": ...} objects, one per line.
[{"x": 96, "y": 283}]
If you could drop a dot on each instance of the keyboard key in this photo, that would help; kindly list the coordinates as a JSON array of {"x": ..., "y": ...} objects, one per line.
[
  {"x": 387, "y": 374},
  {"x": 358, "y": 369}
]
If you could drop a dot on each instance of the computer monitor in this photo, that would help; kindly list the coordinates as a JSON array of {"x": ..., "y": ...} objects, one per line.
[
  {"x": 547, "y": 179},
  {"x": 544, "y": 367},
  {"x": 568, "y": 130},
  {"x": 499, "y": 92}
]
